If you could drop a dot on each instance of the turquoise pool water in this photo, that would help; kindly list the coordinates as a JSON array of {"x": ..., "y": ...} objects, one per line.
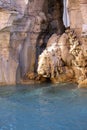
[{"x": 43, "y": 107}]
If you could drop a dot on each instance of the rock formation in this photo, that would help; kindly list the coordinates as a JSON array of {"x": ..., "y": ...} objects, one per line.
[
  {"x": 25, "y": 27},
  {"x": 29, "y": 28},
  {"x": 64, "y": 60},
  {"x": 72, "y": 46}
]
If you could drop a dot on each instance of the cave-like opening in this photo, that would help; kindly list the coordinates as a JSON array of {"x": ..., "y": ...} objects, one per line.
[{"x": 56, "y": 21}]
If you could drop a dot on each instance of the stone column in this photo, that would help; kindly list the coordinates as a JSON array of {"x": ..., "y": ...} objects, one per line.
[
  {"x": 75, "y": 16},
  {"x": 83, "y": 8},
  {"x": 78, "y": 15}
]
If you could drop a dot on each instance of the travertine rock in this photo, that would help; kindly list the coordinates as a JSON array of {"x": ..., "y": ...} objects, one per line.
[
  {"x": 28, "y": 26},
  {"x": 78, "y": 15},
  {"x": 25, "y": 27},
  {"x": 64, "y": 60}
]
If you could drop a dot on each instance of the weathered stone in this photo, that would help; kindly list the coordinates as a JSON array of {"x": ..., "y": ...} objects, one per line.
[
  {"x": 83, "y": 84},
  {"x": 66, "y": 76},
  {"x": 27, "y": 27},
  {"x": 53, "y": 40},
  {"x": 68, "y": 65}
]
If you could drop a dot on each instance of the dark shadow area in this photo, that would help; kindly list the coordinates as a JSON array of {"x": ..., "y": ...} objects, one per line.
[{"x": 54, "y": 23}]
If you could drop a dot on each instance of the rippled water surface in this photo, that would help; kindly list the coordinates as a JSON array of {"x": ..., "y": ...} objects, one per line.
[{"x": 43, "y": 107}]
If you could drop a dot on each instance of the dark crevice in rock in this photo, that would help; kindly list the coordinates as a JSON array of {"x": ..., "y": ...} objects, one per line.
[{"x": 53, "y": 23}]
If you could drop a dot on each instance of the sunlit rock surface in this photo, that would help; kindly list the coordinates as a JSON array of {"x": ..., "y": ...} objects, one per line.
[{"x": 64, "y": 59}]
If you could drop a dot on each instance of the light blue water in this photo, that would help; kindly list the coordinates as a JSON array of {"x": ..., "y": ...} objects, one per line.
[{"x": 43, "y": 107}]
